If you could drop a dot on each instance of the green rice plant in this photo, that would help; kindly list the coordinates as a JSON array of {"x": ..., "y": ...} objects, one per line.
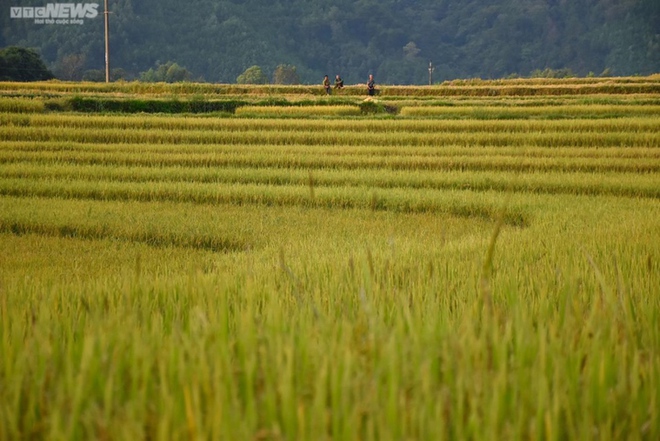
[
  {"x": 192, "y": 123},
  {"x": 545, "y": 139},
  {"x": 273, "y": 158},
  {"x": 157, "y": 151},
  {"x": 20, "y": 105},
  {"x": 617, "y": 184},
  {"x": 167, "y": 277},
  {"x": 456, "y": 202},
  {"x": 155, "y": 230},
  {"x": 358, "y": 365},
  {"x": 289, "y": 161},
  {"x": 245, "y": 222}
]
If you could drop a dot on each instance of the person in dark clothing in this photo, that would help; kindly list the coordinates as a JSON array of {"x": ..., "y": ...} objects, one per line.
[
  {"x": 371, "y": 85},
  {"x": 326, "y": 84},
  {"x": 339, "y": 83}
]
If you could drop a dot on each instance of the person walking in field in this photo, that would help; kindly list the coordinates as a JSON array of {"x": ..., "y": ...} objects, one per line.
[
  {"x": 326, "y": 84},
  {"x": 371, "y": 85},
  {"x": 339, "y": 83}
]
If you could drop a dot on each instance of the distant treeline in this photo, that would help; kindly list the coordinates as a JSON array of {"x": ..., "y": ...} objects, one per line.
[{"x": 217, "y": 40}]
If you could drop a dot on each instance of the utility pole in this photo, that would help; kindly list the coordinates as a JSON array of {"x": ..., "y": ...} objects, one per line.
[
  {"x": 107, "y": 43},
  {"x": 431, "y": 69}
]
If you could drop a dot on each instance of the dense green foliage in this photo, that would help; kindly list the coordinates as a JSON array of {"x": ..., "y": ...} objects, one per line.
[
  {"x": 286, "y": 74},
  {"x": 394, "y": 39},
  {"x": 252, "y": 75},
  {"x": 166, "y": 73},
  {"x": 20, "y": 64}
]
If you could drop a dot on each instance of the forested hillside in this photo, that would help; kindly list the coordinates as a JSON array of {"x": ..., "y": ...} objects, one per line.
[{"x": 216, "y": 40}]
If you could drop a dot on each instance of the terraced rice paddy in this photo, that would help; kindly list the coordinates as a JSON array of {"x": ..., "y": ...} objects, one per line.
[{"x": 458, "y": 266}]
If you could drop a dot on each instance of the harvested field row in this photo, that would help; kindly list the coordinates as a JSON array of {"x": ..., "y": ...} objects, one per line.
[
  {"x": 518, "y": 87},
  {"x": 533, "y": 101},
  {"x": 463, "y": 203},
  {"x": 551, "y": 81},
  {"x": 155, "y": 150},
  {"x": 542, "y": 139},
  {"x": 620, "y": 184},
  {"x": 528, "y": 112},
  {"x": 351, "y": 126},
  {"x": 283, "y": 160}
]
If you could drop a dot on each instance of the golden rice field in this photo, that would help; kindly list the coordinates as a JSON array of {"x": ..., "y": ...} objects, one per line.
[{"x": 473, "y": 260}]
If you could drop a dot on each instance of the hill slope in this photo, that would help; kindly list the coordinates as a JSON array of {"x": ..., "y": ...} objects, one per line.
[{"x": 394, "y": 39}]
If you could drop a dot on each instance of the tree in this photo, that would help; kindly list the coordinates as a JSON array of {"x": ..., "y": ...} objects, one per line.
[
  {"x": 410, "y": 50},
  {"x": 552, "y": 73},
  {"x": 169, "y": 72},
  {"x": 119, "y": 74},
  {"x": 71, "y": 67},
  {"x": 21, "y": 64},
  {"x": 252, "y": 75},
  {"x": 285, "y": 74},
  {"x": 98, "y": 75},
  {"x": 94, "y": 75}
]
